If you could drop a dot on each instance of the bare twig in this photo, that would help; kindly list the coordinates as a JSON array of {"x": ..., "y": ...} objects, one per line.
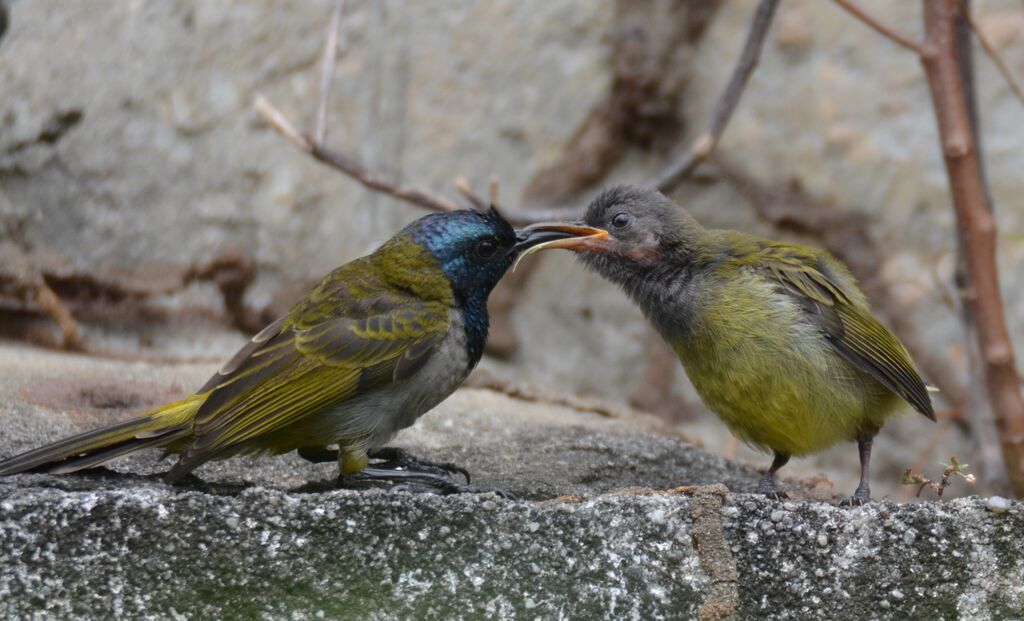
[
  {"x": 925, "y": 455},
  {"x": 705, "y": 143},
  {"x": 371, "y": 180},
  {"x": 993, "y": 54},
  {"x": 977, "y": 228},
  {"x": 854, "y": 9},
  {"x": 492, "y": 190},
  {"x": 314, "y": 147},
  {"x": 280, "y": 122},
  {"x": 953, "y": 469},
  {"x": 983, "y": 420},
  {"x": 652, "y": 60},
  {"x": 466, "y": 191},
  {"x": 347, "y": 165},
  {"x": 24, "y": 287},
  {"x": 327, "y": 72},
  {"x": 52, "y": 305}
]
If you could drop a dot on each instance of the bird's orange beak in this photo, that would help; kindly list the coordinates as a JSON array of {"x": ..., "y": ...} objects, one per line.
[{"x": 573, "y": 236}]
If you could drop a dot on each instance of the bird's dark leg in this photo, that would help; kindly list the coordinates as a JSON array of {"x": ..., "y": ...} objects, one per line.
[
  {"x": 401, "y": 470},
  {"x": 391, "y": 459},
  {"x": 396, "y": 458},
  {"x": 767, "y": 484},
  {"x": 863, "y": 493}
]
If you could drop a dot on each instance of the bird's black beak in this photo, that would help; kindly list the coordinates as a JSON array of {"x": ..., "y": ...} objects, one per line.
[{"x": 547, "y": 235}]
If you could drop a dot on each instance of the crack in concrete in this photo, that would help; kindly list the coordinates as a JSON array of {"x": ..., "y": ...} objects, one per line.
[{"x": 713, "y": 551}]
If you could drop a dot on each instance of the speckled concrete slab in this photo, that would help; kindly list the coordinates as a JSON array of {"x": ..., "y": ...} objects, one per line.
[{"x": 586, "y": 537}]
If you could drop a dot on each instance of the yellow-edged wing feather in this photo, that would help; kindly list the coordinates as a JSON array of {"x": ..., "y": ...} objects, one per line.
[
  {"x": 828, "y": 295},
  {"x": 350, "y": 336}
]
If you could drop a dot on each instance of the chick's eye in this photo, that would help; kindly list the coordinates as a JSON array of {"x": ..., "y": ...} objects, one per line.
[
  {"x": 620, "y": 220},
  {"x": 486, "y": 249}
]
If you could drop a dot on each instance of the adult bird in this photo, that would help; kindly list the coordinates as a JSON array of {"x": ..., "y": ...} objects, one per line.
[
  {"x": 379, "y": 342},
  {"x": 776, "y": 338}
]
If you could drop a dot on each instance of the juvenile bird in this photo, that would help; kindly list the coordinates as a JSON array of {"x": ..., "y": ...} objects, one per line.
[
  {"x": 776, "y": 338},
  {"x": 379, "y": 342}
]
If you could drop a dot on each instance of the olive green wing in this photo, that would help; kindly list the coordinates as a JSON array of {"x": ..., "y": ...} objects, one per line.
[
  {"x": 832, "y": 302},
  {"x": 313, "y": 359}
]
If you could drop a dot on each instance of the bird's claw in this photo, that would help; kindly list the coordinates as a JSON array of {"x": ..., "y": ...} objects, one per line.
[
  {"x": 769, "y": 490},
  {"x": 396, "y": 458},
  {"x": 860, "y": 497}
]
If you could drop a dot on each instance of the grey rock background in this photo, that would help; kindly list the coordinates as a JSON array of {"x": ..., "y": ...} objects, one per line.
[{"x": 127, "y": 137}]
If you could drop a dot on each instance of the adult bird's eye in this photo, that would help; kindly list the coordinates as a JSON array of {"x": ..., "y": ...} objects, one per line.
[
  {"x": 620, "y": 220},
  {"x": 486, "y": 249}
]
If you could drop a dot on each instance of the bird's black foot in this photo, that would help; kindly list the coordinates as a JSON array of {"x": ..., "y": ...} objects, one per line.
[
  {"x": 391, "y": 478},
  {"x": 860, "y": 497},
  {"x": 400, "y": 459},
  {"x": 770, "y": 490}
]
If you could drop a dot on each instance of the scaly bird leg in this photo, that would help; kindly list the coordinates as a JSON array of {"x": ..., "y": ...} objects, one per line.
[
  {"x": 391, "y": 459},
  {"x": 396, "y": 458},
  {"x": 399, "y": 469},
  {"x": 767, "y": 484},
  {"x": 372, "y": 476},
  {"x": 863, "y": 493}
]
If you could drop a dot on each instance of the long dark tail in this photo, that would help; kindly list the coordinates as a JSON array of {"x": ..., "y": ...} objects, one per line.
[{"x": 159, "y": 428}]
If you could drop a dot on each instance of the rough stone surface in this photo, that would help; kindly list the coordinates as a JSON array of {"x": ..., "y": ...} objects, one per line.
[{"x": 586, "y": 538}]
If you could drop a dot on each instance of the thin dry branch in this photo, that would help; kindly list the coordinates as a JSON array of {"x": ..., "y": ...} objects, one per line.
[
  {"x": 983, "y": 421},
  {"x": 993, "y": 54},
  {"x": 347, "y": 165},
  {"x": 678, "y": 171},
  {"x": 463, "y": 187},
  {"x": 653, "y": 58},
  {"x": 977, "y": 228},
  {"x": 327, "y": 71},
  {"x": 24, "y": 287},
  {"x": 54, "y": 307},
  {"x": 900, "y": 39},
  {"x": 925, "y": 455},
  {"x": 369, "y": 179},
  {"x": 314, "y": 146}
]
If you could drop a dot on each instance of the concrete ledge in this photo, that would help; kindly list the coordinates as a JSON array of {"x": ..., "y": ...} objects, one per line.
[{"x": 587, "y": 539}]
